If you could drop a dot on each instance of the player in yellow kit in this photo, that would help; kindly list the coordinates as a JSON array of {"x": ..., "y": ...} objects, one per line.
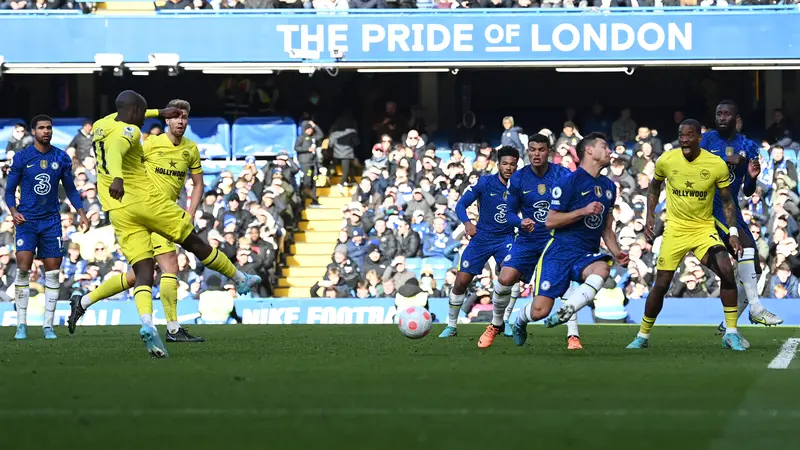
[
  {"x": 137, "y": 208},
  {"x": 693, "y": 175},
  {"x": 168, "y": 158}
]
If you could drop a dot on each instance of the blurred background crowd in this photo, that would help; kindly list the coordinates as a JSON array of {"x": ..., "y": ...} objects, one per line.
[
  {"x": 399, "y": 234},
  {"x": 89, "y": 7}
]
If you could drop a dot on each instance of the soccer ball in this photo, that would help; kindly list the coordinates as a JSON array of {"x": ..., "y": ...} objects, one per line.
[{"x": 414, "y": 322}]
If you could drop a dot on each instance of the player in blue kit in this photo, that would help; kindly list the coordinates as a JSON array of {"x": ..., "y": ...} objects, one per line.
[
  {"x": 529, "y": 194},
  {"x": 741, "y": 154},
  {"x": 580, "y": 215},
  {"x": 37, "y": 170},
  {"x": 493, "y": 235}
]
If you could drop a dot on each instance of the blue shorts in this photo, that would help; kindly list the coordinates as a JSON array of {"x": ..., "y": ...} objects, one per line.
[
  {"x": 478, "y": 252},
  {"x": 560, "y": 267},
  {"x": 745, "y": 236},
  {"x": 42, "y": 237},
  {"x": 524, "y": 256}
]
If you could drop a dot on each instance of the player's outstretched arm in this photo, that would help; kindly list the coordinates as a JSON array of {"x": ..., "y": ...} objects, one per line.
[
  {"x": 610, "y": 239},
  {"x": 467, "y": 199},
  {"x": 731, "y": 217},
  {"x": 652, "y": 200}
]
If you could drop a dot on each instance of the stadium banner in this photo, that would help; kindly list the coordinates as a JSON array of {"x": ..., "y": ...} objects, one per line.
[
  {"x": 549, "y": 37},
  {"x": 677, "y": 311}
]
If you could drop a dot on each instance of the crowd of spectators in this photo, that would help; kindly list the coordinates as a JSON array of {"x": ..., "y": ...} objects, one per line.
[
  {"x": 403, "y": 209},
  {"x": 250, "y": 214},
  {"x": 27, "y": 5}
]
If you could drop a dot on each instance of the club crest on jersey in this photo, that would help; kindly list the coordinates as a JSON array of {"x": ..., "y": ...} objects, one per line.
[
  {"x": 728, "y": 151},
  {"x": 598, "y": 191},
  {"x": 545, "y": 285},
  {"x": 465, "y": 264},
  {"x": 43, "y": 164},
  {"x": 54, "y": 165},
  {"x": 705, "y": 174},
  {"x": 507, "y": 258},
  {"x": 185, "y": 155},
  {"x": 20, "y": 242},
  {"x": 609, "y": 195},
  {"x": 542, "y": 189}
]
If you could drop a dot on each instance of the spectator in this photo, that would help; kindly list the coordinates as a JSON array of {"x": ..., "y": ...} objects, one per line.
[
  {"x": 624, "y": 128},
  {"x": 20, "y": 137},
  {"x": 440, "y": 243},
  {"x": 397, "y": 272},
  {"x": 782, "y": 276},
  {"x": 81, "y": 144},
  {"x": 780, "y": 132},
  {"x": 344, "y": 140}
]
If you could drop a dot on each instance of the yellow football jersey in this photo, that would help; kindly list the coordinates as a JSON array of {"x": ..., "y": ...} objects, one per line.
[
  {"x": 691, "y": 187},
  {"x": 167, "y": 164},
  {"x": 118, "y": 149}
]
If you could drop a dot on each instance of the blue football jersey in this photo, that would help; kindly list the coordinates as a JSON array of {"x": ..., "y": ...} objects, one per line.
[
  {"x": 490, "y": 193},
  {"x": 740, "y": 145},
  {"x": 530, "y": 195},
  {"x": 37, "y": 175},
  {"x": 575, "y": 191}
]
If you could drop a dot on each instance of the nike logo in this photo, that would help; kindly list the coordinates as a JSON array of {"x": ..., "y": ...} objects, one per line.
[
  {"x": 30, "y": 165},
  {"x": 525, "y": 192},
  {"x": 584, "y": 193}
]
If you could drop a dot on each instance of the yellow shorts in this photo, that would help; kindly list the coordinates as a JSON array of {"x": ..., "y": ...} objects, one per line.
[
  {"x": 676, "y": 244},
  {"x": 135, "y": 224},
  {"x": 161, "y": 246}
]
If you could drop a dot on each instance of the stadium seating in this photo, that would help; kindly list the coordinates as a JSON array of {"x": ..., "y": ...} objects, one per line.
[
  {"x": 212, "y": 135},
  {"x": 263, "y": 136}
]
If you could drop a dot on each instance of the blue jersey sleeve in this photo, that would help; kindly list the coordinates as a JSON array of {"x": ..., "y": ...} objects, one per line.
[
  {"x": 562, "y": 194},
  {"x": 750, "y": 184},
  {"x": 471, "y": 194},
  {"x": 68, "y": 180},
  {"x": 704, "y": 141},
  {"x": 14, "y": 177},
  {"x": 513, "y": 201}
]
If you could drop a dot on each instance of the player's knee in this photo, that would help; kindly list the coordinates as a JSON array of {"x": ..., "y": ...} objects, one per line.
[
  {"x": 502, "y": 289},
  {"x": 541, "y": 308},
  {"x": 23, "y": 277},
  {"x": 507, "y": 277},
  {"x": 51, "y": 279}
]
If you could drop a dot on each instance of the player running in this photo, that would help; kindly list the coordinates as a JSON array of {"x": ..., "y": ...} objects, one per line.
[
  {"x": 491, "y": 238},
  {"x": 741, "y": 154},
  {"x": 580, "y": 215},
  {"x": 693, "y": 176},
  {"x": 37, "y": 170},
  {"x": 168, "y": 158},
  {"x": 529, "y": 192},
  {"x": 137, "y": 208}
]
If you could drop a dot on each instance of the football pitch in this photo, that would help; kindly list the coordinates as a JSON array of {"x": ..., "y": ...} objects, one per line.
[{"x": 368, "y": 387}]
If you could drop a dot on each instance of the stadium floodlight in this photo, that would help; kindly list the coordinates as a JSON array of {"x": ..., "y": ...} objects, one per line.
[
  {"x": 109, "y": 59},
  {"x": 140, "y": 73},
  {"x": 592, "y": 69},
  {"x": 725, "y": 68},
  {"x": 304, "y": 54},
  {"x": 420, "y": 70}
]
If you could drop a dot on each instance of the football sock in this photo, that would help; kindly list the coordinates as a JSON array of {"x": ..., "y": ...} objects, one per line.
[
  {"x": 647, "y": 325},
  {"x": 456, "y": 301},
  {"x": 169, "y": 300},
  {"x": 572, "y": 326},
  {"x": 500, "y": 299},
  {"x": 731, "y": 317},
  {"x": 585, "y": 293},
  {"x": 111, "y": 287},
  {"x": 22, "y": 292},
  {"x": 515, "y": 291},
  {"x": 749, "y": 279},
  {"x": 51, "y": 288},
  {"x": 524, "y": 315},
  {"x": 143, "y": 296},
  {"x": 218, "y": 262}
]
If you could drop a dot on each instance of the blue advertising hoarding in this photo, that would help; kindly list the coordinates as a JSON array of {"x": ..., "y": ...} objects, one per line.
[
  {"x": 432, "y": 36},
  {"x": 677, "y": 311}
]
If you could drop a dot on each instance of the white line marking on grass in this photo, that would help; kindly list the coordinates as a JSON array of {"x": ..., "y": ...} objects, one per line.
[
  {"x": 755, "y": 414},
  {"x": 785, "y": 355}
]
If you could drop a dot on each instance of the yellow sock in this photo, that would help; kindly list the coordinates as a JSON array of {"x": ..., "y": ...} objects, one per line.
[
  {"x": 218, "y": 262},
  {"x": 731, "y": 317},
  {"x": 169, "y": 296},
  {"x": 143, "y": 296},
  {"x": 112, "y": 286},
  {"x": 647, "y": 325}
]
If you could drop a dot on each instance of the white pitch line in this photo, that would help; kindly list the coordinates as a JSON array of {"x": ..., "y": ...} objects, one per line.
[
  {"x": 785, "y": 355},
  {"x": 364, "y": 412}
]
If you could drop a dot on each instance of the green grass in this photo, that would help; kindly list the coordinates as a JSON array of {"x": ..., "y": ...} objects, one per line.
[{"x": 348, "y": 387}]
